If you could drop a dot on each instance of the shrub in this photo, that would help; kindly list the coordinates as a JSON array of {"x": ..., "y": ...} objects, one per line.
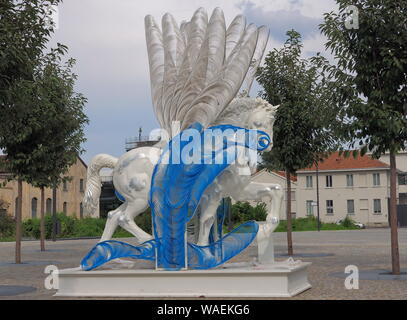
[
  {"x": 243, "y": 211},
  {"x": 31, "y": 228},
  {"x": 7, "y": 226},
  {"x": 71, "y": 227},
  {"x": 310, "y": 224},
  {"x": 144, "y": 221},
  {"x": 347, "y": 222}
]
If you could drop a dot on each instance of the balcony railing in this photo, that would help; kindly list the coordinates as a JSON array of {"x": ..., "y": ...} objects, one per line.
[
  {"x": 106, "y": 179},
  {"x": 141, "y": 141}
]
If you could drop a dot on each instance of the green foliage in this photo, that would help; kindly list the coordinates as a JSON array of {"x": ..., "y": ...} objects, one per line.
[
  {"x": 68, "y": 226},
  {"x": 243, "y": 211},
  {"x": 303, "y": 90},
  {"x": 310, "y": 224},
  {"x": 371, "y": 73},
  {"x": 347, "y": 222},
  {"x": 7, "y": 226},
  {"x": 144, "y": 221},
  {"x": 71, "y": 227},
  {"x": 42, "y": 116}
]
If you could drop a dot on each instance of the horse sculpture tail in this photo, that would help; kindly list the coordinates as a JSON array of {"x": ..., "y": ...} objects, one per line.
[{"x": 93, "y": 183}]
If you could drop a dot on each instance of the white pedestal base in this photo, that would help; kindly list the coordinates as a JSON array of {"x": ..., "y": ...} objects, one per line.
[{"x": 283, "y": 279}]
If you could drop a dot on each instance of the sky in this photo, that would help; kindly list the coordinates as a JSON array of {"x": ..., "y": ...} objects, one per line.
[{"x": 107, "y": 39}]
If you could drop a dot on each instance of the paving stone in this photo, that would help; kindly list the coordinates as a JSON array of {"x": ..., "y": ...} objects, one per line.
[{"x": 367, "y": 249}]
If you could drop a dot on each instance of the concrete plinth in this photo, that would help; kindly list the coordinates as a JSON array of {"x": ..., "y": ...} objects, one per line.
[{"x": 276, "y": 280}]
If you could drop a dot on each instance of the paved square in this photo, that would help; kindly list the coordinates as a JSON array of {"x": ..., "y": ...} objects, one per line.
[{"x": 329, "y": 251}]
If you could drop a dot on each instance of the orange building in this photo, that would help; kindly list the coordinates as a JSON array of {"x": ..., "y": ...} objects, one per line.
[{"x": 69, "y": 194}]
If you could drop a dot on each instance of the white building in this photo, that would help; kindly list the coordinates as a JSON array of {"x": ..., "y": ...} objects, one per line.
[
  {"x": 401, "y": 164},
  {"x": 359, "y": 188},
  {"x": 265, "y": 176}
]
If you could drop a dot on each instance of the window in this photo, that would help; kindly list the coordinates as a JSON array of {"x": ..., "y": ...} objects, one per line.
[
  {"x": 310, "y": 208},
  {"x": 81, "y": 210},
  {"x": 377, "y": 206},
  {"x": 65, "y": 208},
  {"x": 329, "y": 207},
  {"x": 329, "y": 181},
  {"x": 351, "y": 206},
  {"x": 308, "y": 182},
  {"x": 376, "y": 179},
  {"x": 349, "y": 180},
  {"x": 65, "y": 186},
  {"x": 48, "y": 206},
  {"x": 402, "y": 179},
  {"x": 34, "y": 205},
  {"x": 81, "y": 189}
]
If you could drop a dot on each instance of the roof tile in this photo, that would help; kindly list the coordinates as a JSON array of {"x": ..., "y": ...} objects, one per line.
[{"x": 336, "y": 162}]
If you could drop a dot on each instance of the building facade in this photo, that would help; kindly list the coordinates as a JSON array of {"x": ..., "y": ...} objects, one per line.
[
  {"x": 277, "y": 177},
  {"x": 69, "y": 195},
  {"x": 355, "y": 187},
  {"x": 358, "y": 188},
  {"x": 401, "y": 164}
]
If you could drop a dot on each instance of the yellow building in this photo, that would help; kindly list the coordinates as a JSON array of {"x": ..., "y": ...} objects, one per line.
[{"x": 69, "y": 195}]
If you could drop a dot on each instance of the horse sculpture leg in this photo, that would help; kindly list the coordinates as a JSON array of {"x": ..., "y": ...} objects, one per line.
[
  {"x": 258, "y": 191},
  {"x": 112, "y": 222},
  {"x": 126, "y": 220},
  {"x": 209, "y": 205}
]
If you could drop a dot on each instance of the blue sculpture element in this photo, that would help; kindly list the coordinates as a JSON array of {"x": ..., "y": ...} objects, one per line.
[
  {"x": 112, "y": 249},
  {"x": 178, "y": 183},
  {"x": 119, "y": 196}
]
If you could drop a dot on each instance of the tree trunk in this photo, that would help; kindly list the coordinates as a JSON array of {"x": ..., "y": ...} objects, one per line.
[
  {"x": 289, "y": 224},
  {"x": 318, "y": 216},
  {"x": 19, "y": 213},
  {"x": 229, "y": 207},
  {"x": 42, "y": 225},
  {"x": 395, "y": 258},
  {"x": 54, "y": 213}
]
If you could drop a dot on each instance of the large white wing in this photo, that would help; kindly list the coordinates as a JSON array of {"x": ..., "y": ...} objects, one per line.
[
  {"x": 196, "y": 69},
  {"x": 256, "y": 60}
]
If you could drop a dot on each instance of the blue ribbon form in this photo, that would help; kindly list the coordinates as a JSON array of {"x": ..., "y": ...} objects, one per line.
[{"x": 176, "y": 188}]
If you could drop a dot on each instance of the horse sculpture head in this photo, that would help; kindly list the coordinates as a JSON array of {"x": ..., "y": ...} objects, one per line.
[
  {"x": 250, "y": 113},
  {"x": 262, "y": 117}
]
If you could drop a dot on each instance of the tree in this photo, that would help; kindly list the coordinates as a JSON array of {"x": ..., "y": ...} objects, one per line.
[
  {"x": 371, "y": 76},
  {"x": 60, "y": 131},
  {"x": 42, "y": 117},
  {"x": 304, "y": 127}
]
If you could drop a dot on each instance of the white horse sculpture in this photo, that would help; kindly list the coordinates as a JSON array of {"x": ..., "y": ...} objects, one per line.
[{"x": 196, "y": 71}]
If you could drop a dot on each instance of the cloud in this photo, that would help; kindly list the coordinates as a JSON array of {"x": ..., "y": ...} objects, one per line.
[{"x": 281, "y": 18}]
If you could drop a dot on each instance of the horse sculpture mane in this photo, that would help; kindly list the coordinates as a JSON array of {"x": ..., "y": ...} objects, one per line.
[{"x": 239, "y": 110}]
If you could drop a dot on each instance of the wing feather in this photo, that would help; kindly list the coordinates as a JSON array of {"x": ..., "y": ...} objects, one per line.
[
  {"x": 256, "y": 60},
  {"x": 216, "y": 37},
  {"x": 174, "y": 47},
  {"x": 194, "y": 32},
  {"x": 155, "y": 50},
  {"x": 208, "y": 64},
  {"x": 198, "y": 68},
  {"x": 234, "y": 33},
  {"x": 208, "y": 105}
]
